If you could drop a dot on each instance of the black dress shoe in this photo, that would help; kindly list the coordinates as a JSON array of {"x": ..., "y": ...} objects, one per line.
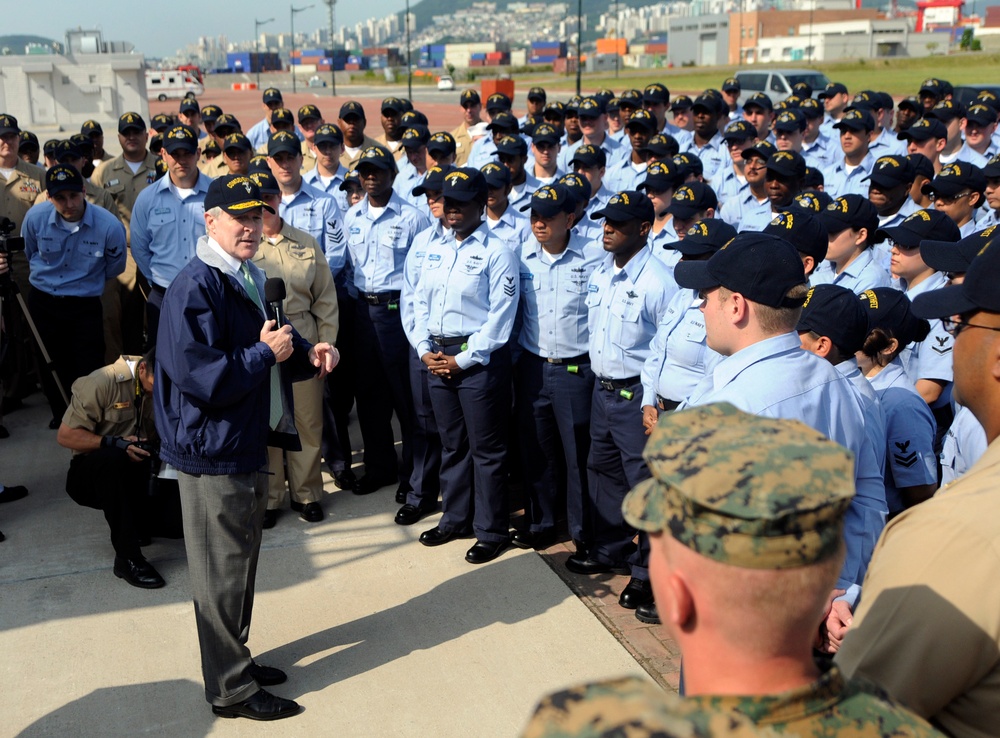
[
  {"x": 10, "y": 494},
  {"x": 435, "y": 536},
  {"x": 637, "y": 592},
  {"x": 538, "y": 541},
  {"x": 270, "y": 518},
  {"x": 410, "y": 514},
  {"x": 344, "y": 479},
  {"x": 261, "y": 706},
  {"x": 585, "y": 565},
  {"x": 370, "y": 483},
  {"x": 647, "y": 613},
  {"x": 138, "y": 572},
  {"x": 311, "y": 512},
  {"x": 484, "y": 551},
  {"x": 266, "y": 676}
]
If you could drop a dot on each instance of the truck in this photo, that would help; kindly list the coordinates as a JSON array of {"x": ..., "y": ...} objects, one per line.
[{"x": 165, "y": 83}]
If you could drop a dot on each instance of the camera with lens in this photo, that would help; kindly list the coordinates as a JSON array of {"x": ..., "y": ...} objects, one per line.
[{"x": 8, "y": 243}]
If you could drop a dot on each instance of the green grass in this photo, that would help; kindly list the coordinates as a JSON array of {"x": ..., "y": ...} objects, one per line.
[{"x": 897, "y": 76}]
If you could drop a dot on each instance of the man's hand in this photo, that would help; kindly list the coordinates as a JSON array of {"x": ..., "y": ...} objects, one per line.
[
  {"x": 134, "y": 452},
  {"x": 649, "y": 416},
  {"x": 324, "y": 356},
  {"x": 435, "y": 362},
  {"x": 279, "y": 341},
  {"x": 4, "y": 266},
  {"x": 837, "y": 624}
]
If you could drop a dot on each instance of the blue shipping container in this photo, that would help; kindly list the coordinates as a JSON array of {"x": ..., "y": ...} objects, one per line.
[
  {"x": 438, "y": 47},
  {"x": 543, "y": 59}
]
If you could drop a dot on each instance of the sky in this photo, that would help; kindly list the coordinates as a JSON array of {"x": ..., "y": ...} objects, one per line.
[{"x": 172, "y": 25}]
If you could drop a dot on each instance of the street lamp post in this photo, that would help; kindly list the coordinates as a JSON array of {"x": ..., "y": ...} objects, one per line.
[
  {"x": 292, "y": 57},
  {"x": 256, "y": 43},
  {"x": 409, "y": 66},
  {"x": 579, "y": 37},
  {"x": 333, "y": 68}
]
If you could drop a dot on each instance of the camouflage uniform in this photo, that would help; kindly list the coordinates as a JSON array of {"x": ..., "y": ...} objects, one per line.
[{"x": 749, "y": 492}]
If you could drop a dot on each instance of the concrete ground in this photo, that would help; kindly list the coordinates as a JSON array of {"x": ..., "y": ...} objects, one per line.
[{"x": 380, "y": 636}]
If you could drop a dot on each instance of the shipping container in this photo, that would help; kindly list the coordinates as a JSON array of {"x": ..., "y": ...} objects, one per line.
[
  {"x": 612, "y": 46},
  {"x": 352, "y": 67},
  {"x": 438, "y": 47},
  {"x": 547, "y": 44},
  {"x": 658, "y": 49},
  {"x": 544, "y": 59}
]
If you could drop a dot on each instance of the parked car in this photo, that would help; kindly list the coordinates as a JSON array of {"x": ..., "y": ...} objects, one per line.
[
  {"x": 316, "y": 81},
  {"x": 777, "y": 83},
  {"x": 445, "y": 82}
]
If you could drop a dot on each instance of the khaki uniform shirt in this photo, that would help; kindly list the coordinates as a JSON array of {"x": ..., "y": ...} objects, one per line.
[
  {"x": 109, "y": 402},
  {"x": 346, "y": 159},
  {"x": 463, "y": 145},
  {"x": 19, "y": 192},
  {"x": 399, "y": 153},
  {"x": 310, "y": 295},
  {"x": 308, "y": 158},
  {"x": 928, "y": 626},
  {"x": 116, "y": 177},
  {"x": 217, "y": 167}
]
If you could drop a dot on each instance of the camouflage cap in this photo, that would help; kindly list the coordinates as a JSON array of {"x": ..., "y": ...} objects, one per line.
[{"x": 749, "y": 491}]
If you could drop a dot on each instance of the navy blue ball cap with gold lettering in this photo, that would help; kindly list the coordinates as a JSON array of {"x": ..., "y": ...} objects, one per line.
[
  {"x": 978, "y": 290},
  {"x": 512, "y": 145},
  {"x": 433, "y": 180},
  {"x": 537, "y": 93},
  {"x": 190, "y": 105},
  {"x": 283, "y": 142},
  {"x": 835, "y": 312},
  {"x": 550, "y": 200},
  {"x": 497, "y": 175},
  {"x": 352, "y": 107},
  {"x": 236, "y": 194},
  {"x": 63, "y": 178},
  {"x": 692, "y": 198},
  {"x": 8, "y": 124},
  {"x": 850, "y": 211},
  {"x": 180, "y": 137},
  {"x": 131, "y": 122},
  {"x": 924, "y": 129},
  {"x": 309, "y": 112},
  {"x": 265, "y": 182},
  {"x": 579, "y": 187},
  {"x": 923, "y": 225},
  {"x": 661, "y": 176},
  {"x": 956, "y": 257},
  {"x": 441, "y": 142},
  {"x": 226, "y": 124},
  {"x": 787, "y": 164},
  {"x": 760, "y": 266},
  {"x": 328, "y": 133},
  {"x": 91, "y": 128},
  {"x": 469, "y": 97},
  {"x": 954, "y": 179},
  {"x": 272, "y": 95},
  {"x": 704, "y": 237},
  {"x": 415, "y": 136},
  {"x": 376, "y": 156},
  {"x": 589, "y": 156},
  {"x": 856, "y": 119},
  {"x": 465, "y": 184},
  {"x": 497, "y": 102},
  {"x": 625, "y": 206},
  {"x": 892, "y": 310},
  {"x": 804, "y": 231},
  {"x": 211, "y": 113},
  {"x": 891, "y": 171},
  {"x": 236, "y": 141}
]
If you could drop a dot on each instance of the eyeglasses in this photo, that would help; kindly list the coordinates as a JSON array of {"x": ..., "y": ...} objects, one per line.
[
  {"x": 938, "y": 198},
  {"x": 954, "y": 327}
]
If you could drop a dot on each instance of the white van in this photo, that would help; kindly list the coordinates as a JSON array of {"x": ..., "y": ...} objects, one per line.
[
  {"x": 777, "y": 83},
  {"x": 164, "y": 83}
]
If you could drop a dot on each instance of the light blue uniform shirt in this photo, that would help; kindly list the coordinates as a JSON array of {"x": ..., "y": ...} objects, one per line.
[
  {"x": 623, "y": 176},
  {"x": 658, "y": 242},
  {"x": 521, "y": 194},
  {"x": 974, "y": 157},
  {"x": 318, "y": 215},
  {"x": 378, "y": 246},
  {"x": 823, "y": 154},
  {"x": 886, "y": 144},
  {"x": 331, "y": 188},
  {"x": 467, "y": 288},
  {"x": 713, "y": 155},
  {"x": 862, "y": 274},
  {"x": 554, "y": 298},
  {"x": 624, "y": 310},
  {"x": 412, "y": 268},
  {"x": 261, "y": 131},
  {"x": 963, "y": 444},
  {"x": 728, "y": 185},
  {"x": 740, "y": 206},
  {"x": 909, "y": 430},
  {"x": 76, "y": 264},
  {"x": 776, "y": 378},
  {"x": 483, "y": 152},
  {"x": 613, "y": 151},
  {"x": 679, "y": 357},
  {"x": 838, "y": 182},
  {"x": 756, "y": 218},
  {"x": 165, "y": 229},
  {"x": 931, "y": 358},
  {"x": 514, "y": 227}
]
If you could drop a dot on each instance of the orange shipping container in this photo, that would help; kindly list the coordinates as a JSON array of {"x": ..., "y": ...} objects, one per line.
[
  {"x": 490, "y": 86},
  {"x": 612, "y": 46}
]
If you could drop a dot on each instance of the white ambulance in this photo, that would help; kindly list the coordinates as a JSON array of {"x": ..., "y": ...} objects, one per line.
[{"x": 164, "y": 83}]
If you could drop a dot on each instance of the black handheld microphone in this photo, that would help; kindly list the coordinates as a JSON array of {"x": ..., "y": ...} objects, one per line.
[{"x": 274, "y": 293}]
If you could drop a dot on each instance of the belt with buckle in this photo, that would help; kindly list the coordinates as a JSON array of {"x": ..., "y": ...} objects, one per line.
[
  {"x": 581, "y": 359},
  {"x": 666, "y": 405},
  {"x": 379, "y": 298},
  {"x": 617, "y": 384},
  {"x": 446, "y": 341}
]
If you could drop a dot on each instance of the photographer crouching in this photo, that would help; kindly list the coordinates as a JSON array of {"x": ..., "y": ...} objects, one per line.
[{"x": 109, "y": 428}]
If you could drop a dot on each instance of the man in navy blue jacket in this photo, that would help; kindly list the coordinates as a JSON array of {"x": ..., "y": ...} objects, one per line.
[{"x": 222, "y": 395}]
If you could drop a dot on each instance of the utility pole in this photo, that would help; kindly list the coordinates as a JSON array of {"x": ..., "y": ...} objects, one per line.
[
  {"x": 291, "y": 65},
  {"x": 333, "y": 70},
  {"x": 256, "y": 43},
  {"x": 579, "y": 40},
  {"x": 409, "y": 66}
]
